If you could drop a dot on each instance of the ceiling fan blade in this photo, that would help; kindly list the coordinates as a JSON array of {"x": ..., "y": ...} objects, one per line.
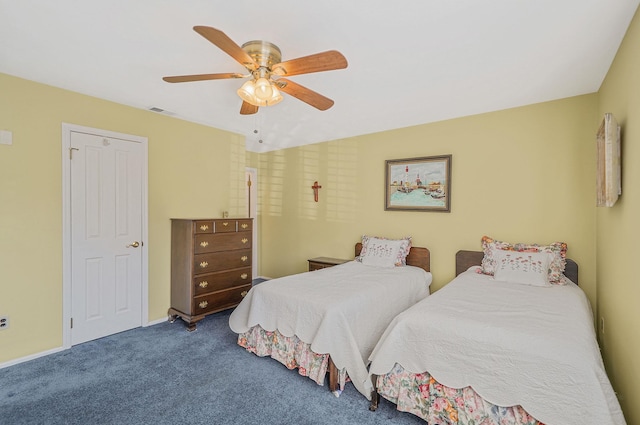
[
  {"x": 325, "y": 61},
  {"x": 201, "y": 77},
  {"x": 248, "y": 109},
  {"x": 227, "y": 45},
  {"x": 304, "y": 94}
]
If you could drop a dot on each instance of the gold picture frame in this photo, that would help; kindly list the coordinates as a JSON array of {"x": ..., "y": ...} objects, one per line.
[
  {"x": 608, "y": 173},
  {"x": 418, "y": 184}
]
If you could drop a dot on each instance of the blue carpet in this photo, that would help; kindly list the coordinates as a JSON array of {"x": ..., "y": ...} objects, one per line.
[{"x": 163, "y": 374}]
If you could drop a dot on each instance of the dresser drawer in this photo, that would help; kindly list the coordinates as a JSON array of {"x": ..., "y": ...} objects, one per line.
[
  {"x": 220, "y": 300},
  {"x": 245, "y": 225},
  {"x": 203, "y": 226},
  {"x": 215, "y": 242},
  {"x": 212, "y": 282},
  {"x": 224, "y": 226},
  {"x": 218, "y": 261}
]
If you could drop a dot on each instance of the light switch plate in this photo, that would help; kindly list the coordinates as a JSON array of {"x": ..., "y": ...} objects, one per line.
[{"x": 6, "y": 137}]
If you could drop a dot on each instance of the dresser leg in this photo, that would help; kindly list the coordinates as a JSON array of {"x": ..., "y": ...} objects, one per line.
[{"x": 188, "y": 319}]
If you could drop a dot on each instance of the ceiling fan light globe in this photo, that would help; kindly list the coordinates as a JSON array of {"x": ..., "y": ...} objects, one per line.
[
  {"x": 263, "y": 89},
  {"x": 248, "y": 93},
  {"x": 275, "y": 98}
]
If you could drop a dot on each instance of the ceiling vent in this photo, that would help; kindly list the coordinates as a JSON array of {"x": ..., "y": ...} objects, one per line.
[{"x": 161, "y": 111}]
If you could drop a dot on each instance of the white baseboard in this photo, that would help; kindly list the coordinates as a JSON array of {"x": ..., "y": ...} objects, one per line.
[
  {"x": 156, "y": 322},
  {"x": 58, "y": 349},
  {"x": 31, "y": 357}
]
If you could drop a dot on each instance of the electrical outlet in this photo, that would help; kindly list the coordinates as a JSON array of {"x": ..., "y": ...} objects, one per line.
[{"x": 4, "y": 322}]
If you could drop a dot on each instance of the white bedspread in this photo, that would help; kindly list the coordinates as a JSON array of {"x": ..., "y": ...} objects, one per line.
[
  {"x": 341, "y": 310},
  {"x": 512, "y": 343}
]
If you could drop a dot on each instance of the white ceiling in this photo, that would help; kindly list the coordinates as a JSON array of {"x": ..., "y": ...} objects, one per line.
[{"x": 410, "y": 61}]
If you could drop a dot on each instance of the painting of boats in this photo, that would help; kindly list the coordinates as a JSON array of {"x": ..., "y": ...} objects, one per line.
[{"x": 419, "y": 184}]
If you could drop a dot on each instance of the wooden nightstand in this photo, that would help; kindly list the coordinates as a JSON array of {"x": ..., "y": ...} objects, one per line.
[{"x": 324, "y": 262}]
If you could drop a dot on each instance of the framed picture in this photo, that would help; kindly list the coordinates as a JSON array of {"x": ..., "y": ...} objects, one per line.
[
  {"x": 418, "y": 184},
  {"x": 608, "y": 174}
]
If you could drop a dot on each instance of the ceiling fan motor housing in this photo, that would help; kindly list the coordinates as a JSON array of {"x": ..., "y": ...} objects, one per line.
[{"x": 264, "y": 53}]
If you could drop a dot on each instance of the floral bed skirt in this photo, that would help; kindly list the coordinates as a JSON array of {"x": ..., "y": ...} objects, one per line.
[
  {"x": 289, "y": 351},
  {"x": 437, "y": 404}
]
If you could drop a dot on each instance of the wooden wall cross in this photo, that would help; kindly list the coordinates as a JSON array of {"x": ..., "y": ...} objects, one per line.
[{"x": 315, "y": 188}]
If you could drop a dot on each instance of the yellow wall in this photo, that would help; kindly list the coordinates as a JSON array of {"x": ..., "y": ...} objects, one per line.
[
  {"x": 521, "y": 175},
  {"x": 194, "y": 171},
  {"x": 619, "y": 230},
  {"x": 525, "y": 174}
]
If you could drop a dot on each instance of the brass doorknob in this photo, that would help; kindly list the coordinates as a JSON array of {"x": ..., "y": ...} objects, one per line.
[{"x": 134, "y": 244}]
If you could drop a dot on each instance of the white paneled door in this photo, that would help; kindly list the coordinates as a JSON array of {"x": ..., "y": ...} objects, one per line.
[{"x": 106, "y": 231}]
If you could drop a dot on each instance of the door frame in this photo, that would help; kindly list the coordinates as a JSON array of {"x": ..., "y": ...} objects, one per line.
[
  {"x": 253, "y": 172},
  {"x": 67, "y": 129}
]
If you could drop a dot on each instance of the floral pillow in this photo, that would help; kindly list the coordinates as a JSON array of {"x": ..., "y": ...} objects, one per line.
[
  {"x": 529, "y": 268},
  {"x": 384, "y": 252},
  {"x": 556, "y": 267}
]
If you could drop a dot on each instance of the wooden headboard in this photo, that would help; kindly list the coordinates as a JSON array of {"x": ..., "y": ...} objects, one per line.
[
  {"x": 418, "y": 257},
  {"x": 466, "y": 259}
]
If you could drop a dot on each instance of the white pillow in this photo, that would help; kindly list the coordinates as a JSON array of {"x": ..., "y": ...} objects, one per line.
[
  {"x": 382, "y": 252},
  {"x": 530, "y": 268},
  {"x": 403, "y": 252}
]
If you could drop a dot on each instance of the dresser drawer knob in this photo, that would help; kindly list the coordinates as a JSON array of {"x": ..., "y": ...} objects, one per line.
[
  {"x": 203, "y": 284},
  {"x": 243, "y": 294},
  {"x": 204, "y": 244},
  {"x": 226, "y": 223},
  {"x": 244, "y": 258},
  {"x": 244, "y": 225},
  {"x": 245, "y": 240},
  {"x": 204, "y": 264},
  {"x": 203, "y": 304},
  {"x": 204, "y": 227},
  {"x": 244, "y": 275}
]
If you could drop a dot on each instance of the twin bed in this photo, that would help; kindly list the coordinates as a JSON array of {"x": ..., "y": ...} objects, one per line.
[
  {"x": 478, "y": 351},
  {"x": 330, "y": 319},
  {"x": 478, "y": 344}
]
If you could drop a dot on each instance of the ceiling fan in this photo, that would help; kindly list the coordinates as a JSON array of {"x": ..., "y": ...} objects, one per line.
[{"x": 263, "y": 60}]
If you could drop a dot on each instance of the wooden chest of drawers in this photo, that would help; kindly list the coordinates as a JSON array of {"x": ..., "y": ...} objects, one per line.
[{"x": 210, "y": 266}]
